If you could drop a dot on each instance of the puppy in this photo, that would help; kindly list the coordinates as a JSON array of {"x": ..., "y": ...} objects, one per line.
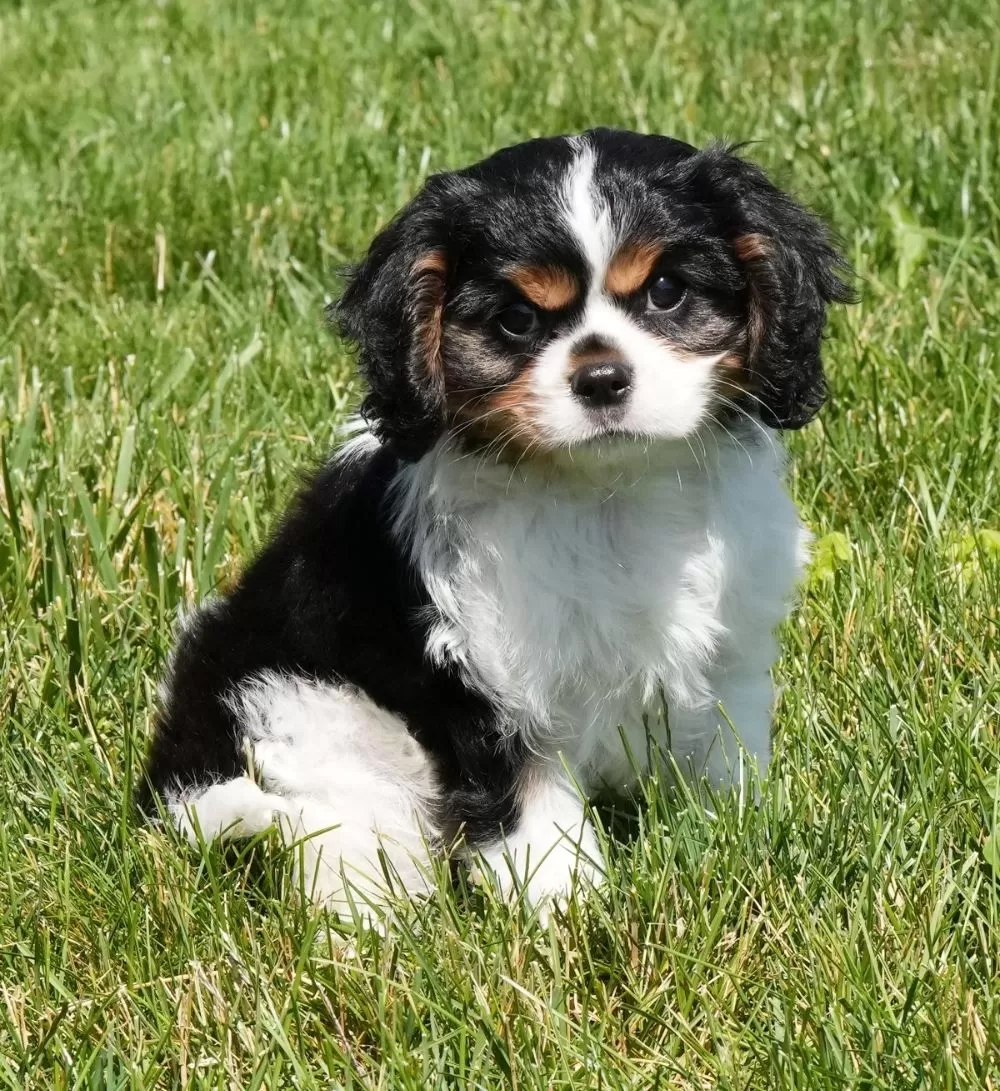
[{"x": 559, "y": 546}]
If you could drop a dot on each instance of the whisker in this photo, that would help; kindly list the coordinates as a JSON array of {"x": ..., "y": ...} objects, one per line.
[
  {"x": 740, "y": 390},
  {"x": 716, "y": 421},
  {"x": 752, "y": 419}
]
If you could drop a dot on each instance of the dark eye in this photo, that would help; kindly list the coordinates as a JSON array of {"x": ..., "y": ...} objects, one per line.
[
  {"x": 664, "y": 293},
  {"x": 518, "y": 320}
]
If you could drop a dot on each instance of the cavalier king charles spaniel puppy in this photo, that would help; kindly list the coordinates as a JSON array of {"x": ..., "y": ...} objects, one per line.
[{"x": 558, "y": 547}]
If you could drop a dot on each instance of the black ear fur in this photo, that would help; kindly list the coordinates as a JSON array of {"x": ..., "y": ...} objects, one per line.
[
  {"x": 391, "y": 310},
  {"x": 794, "y": 273}
]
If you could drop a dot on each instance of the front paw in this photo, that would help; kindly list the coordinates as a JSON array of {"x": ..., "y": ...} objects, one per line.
[
  {"x": 563, "y": 874},
  {"x": 545, "y": 875}
]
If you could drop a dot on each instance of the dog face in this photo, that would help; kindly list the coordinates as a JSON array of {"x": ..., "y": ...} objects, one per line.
[{"x": 584, "y": 290}]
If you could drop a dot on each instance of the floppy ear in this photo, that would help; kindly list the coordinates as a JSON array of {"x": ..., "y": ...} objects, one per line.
[
  {"x": 794, "y": 272},
  {"x": 392, "y": 310}
]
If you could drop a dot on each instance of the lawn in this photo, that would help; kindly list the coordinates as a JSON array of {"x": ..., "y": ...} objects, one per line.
[{"x": 180, "y": 183}]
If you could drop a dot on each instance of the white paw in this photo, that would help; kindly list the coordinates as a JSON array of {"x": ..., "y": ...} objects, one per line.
[
  {"x": 546, "y": 875},
  {"x": 561, "y": 876},
  {"x": 232, "y": 809},
  {"x": 352, "y": 869}
]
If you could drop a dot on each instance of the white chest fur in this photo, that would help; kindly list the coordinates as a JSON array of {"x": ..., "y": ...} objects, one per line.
[{"x": 580, "y": 599}]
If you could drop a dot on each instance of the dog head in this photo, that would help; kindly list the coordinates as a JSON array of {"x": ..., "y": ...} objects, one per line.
[{"x": 581, "y": 290}]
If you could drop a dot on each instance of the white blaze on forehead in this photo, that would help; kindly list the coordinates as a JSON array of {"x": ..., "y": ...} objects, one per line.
[{"x": 586, "y": 214}]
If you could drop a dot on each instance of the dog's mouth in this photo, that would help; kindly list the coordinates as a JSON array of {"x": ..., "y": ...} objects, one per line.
[{"x": 611, "y": 430}]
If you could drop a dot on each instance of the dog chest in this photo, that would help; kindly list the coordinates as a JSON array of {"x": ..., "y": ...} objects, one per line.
[{"x": 574, "y": 609}]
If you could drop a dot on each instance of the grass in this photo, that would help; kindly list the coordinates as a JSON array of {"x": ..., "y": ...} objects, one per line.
[{"x": 179, "y": 183}]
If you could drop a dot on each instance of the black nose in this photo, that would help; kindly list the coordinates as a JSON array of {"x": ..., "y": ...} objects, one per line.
[{"x": 601, "y": 385}]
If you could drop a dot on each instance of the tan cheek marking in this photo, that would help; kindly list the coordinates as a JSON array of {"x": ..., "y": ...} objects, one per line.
[
  {"x": 505, "y": 418},
  {"x": 630, "y": 268},
  {"x": 731, "y": 374},
  {"x": 515, "y": 400},
  {"x": 548, "y": 287}
]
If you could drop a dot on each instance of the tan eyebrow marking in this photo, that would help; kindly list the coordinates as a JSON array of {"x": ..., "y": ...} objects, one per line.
[
  {"x": 547, "y": 286},
  {"x": 630, "y": 268}
]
